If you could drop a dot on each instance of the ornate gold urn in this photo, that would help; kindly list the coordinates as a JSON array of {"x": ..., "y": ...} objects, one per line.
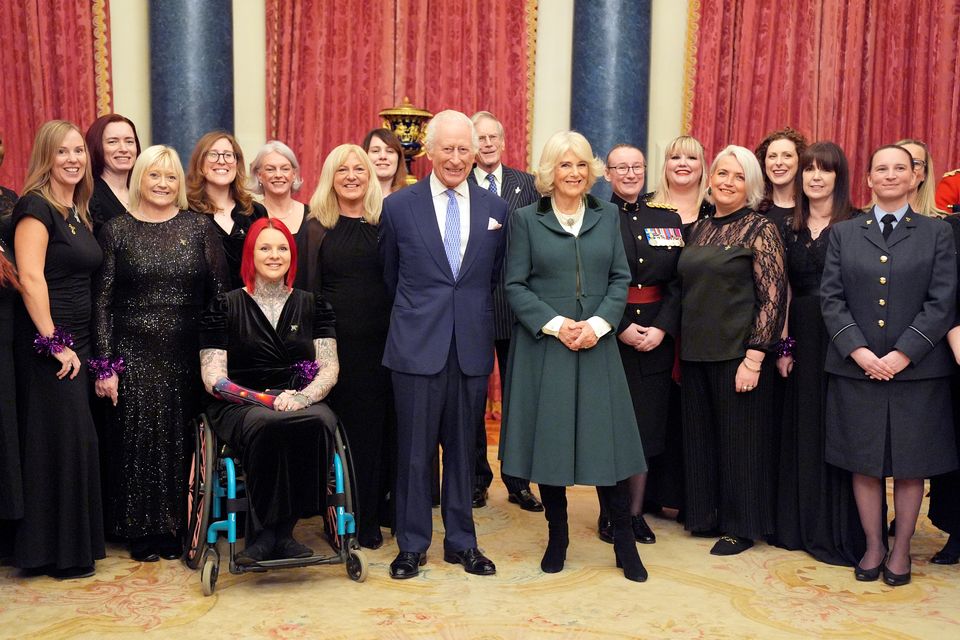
[{"x": 409, "y": 124}]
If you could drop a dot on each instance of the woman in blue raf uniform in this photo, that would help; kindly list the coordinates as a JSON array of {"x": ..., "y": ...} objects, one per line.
[
  {"x": 652, "y": 238},
  {"x": 888, "y": 298}
]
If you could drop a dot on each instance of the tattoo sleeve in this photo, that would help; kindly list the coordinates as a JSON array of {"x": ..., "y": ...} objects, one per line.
[
  {"x": 326, "y": 378},
  {"x": 213, "y": 366}
]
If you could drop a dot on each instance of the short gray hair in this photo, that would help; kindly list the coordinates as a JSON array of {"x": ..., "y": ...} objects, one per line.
[
  {"x": 752, "y": 173},
  {"x": 274, "y": 146},
  {"x": 486, "y": 115},
  {"x": 450, "y": 116}
]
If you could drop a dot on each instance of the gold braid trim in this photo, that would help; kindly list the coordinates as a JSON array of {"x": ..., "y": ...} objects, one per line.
[
  {"x": 531, "y": 12},
  {"x": 690, "y": 64},
  {"x": 273, "y": 93},
  {"x": 101, "y": 57}
]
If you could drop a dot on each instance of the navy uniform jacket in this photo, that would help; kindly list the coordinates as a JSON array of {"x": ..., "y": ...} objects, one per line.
[
  {"x": 652, "y": 266},
  {"x": 894, "y": 294}
]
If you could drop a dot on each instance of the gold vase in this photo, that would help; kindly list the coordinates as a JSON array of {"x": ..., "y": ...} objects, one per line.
[{"x": 409, "y": 124}]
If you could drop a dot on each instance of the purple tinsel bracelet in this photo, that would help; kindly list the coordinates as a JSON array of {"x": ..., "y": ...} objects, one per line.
[
  {"x": 306, "y": 371},
  {"x": 103, "y": 368},
  {"x": 56, "y": 343},
  {"x": 786, "y": 346}
]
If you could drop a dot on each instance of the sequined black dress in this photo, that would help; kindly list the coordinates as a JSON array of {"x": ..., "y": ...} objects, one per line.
[
  {"x": 62, "y": 521},
  {"x": 155, "y": 280},
  {"x": 816, "y": 511},
  {"x": 351, "y": 280}
]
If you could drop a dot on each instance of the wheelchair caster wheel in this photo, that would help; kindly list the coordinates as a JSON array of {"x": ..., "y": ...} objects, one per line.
[
  {"x": 210, "y": 571},
  {"x": 357, "y": 566}
]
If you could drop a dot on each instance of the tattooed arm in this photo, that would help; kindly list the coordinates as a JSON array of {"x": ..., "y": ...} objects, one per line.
[
  {"x": 323, "y": 382},
  {"x": 213, "y": 366}
]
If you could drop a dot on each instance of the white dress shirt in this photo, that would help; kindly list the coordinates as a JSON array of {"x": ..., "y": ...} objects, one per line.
[{"x": 481, "y": 177}]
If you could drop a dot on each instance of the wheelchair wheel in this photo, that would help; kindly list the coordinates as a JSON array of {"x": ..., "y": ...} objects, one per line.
[
  {"x": 210, "y": 571},
  {"x": 357, "y": 565},
  {"x": 200, "y": 493}
]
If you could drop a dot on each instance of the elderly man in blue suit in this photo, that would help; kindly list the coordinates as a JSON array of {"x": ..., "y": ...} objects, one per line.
[{"x": 441, "y": 243}]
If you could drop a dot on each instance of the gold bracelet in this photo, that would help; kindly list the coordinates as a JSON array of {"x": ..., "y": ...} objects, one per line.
[
  {"x": 746, "y": 357},
  {"x": 748, "y": 366}
]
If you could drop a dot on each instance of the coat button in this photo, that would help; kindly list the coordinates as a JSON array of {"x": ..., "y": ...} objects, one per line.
[
  {"x": 638, "y": 311},
  {"x": 883, "y": 258},
  {"x": 880, "y": 323},
  {"x": 882, "y": 302},
  {"x": 639, "y": 237},
  {"x": 641, "y": 260},
  {"x": 634, "y": 217},
  {"x": 883, "y": 280}
]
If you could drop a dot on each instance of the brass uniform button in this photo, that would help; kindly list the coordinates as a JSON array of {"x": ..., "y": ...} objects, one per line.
[
  {"x": 883, "y": 258},
  {"x": 880, "y": 323},
  {"x": 882, "y": 302},
  {"x": 883, "y": 280}
]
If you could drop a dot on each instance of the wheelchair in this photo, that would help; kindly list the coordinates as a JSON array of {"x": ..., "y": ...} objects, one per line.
[{"x": 216, "y": 497}]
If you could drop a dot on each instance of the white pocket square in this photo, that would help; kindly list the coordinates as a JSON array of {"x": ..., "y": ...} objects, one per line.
[{"x": 493, "y": 225}]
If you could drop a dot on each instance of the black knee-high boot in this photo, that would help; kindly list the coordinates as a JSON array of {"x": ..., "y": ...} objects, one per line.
[
  {"x": 616, "y": 501},
  {"x": 555, "y": 510}
]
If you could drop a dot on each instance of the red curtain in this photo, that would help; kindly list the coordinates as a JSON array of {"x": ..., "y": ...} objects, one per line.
[
  {"x": 55, "y": 62},
  {"x": 857, "y": 72},
  {"x": 330, "y": 71}
]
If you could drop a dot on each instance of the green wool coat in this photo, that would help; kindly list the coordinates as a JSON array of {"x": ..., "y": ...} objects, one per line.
[{"x": 568, "y": 418}]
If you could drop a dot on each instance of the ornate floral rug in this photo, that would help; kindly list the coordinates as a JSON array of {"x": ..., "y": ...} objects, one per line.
[{"x": 763, "y": 593}]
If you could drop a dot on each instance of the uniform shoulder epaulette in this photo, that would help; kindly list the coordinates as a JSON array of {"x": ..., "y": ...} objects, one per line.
[
  {"x": 951, "y": 173},
  {"x": 661, "y": 205}
]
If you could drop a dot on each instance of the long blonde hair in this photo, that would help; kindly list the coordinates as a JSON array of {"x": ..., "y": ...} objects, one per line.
[
  {"x": 324, "y": 206},
  {"x": 688, "y": 146},
  {"x": 926, "y": 190},
  {"x": 48, "y": 141}
]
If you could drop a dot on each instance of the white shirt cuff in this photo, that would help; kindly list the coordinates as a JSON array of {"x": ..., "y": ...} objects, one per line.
[
  {"x": 552, "y": 328},
  {"x": 600, "y": 326}
]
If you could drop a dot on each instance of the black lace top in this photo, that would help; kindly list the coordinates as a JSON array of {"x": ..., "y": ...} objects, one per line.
[{"x": 733, "y": 287}]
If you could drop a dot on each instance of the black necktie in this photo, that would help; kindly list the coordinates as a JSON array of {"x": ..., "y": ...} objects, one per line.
[{"x": 888, "y": 221}]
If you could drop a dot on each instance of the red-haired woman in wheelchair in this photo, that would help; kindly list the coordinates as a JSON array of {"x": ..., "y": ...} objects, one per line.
[{"x": 268, "y": 335}]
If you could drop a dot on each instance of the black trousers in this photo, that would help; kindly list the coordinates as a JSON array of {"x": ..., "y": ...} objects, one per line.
[
  {"x": 728, "y": 442},
  {"x": 483, "y": 474}
]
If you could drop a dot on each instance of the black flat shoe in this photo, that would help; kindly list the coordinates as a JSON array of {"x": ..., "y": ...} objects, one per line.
[
  {"x": 950, "y": 554},
  {"x": 605, "y": 529},
  {"x": 730, "y": 546},
  {"x": 867, "y": 575},
  {"x": 642, "y": 531},
  {"x": 371, "y": 542},
  {"x": 71, "y": 573},
  {"x": 473, "y": 561},
  {"x": 407, "y": 565},
  {"x": 526, "y": 500},
  {"x": 142, "y": 550},
  {"x": 169, "y": 547},
  {"x": 479, "y": 498},
  {"x": 895, "y": 579},
  {"x": 259, "y": 550}
]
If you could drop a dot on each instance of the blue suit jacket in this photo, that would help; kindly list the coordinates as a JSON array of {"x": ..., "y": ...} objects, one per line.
[{"x": 430, "y": 307}]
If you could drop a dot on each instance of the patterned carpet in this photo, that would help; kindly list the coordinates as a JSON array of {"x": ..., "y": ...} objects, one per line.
[{"x": 763, "y": 593}]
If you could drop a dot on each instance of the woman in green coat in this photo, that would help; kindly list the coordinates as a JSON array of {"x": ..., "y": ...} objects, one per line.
[{"x": 568, "y": 416}]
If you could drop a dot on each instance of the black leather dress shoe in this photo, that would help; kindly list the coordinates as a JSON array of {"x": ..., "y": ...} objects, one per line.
[
  {"x": 526, "y": 500},
  {"x": 142, "y": 550},
  {"x": 473, "y": 561},
  {"x": 642, "y": 531},
  {"x": 479, "y": 498},
  {"x": 407, "y": 565},
  {"x": 945, "y": 557}
]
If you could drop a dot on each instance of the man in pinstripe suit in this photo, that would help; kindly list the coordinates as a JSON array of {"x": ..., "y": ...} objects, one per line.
[{"x": 516, "y": 187}]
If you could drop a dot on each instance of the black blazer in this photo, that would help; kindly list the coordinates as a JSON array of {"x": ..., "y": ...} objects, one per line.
[
  {"x": 518, "y": 190},
  {"x": 894, "y": 294}
]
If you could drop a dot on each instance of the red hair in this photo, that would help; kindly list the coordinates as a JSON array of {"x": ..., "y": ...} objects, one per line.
[
  {"x": 8, "y": 274},
  {"x": 248, "y": 271}
]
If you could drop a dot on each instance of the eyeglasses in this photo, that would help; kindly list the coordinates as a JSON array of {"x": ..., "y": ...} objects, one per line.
[
  {"x": 624, "y": 169},
  {"x": 226, "y": 157},
  {"x": 918, "y": 163},
  {"x": 492, "y": 139}
]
